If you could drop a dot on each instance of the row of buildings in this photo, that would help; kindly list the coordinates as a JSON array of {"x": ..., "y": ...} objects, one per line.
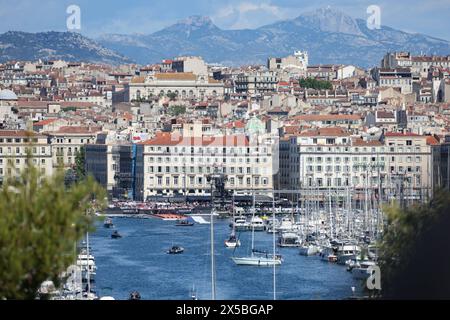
[
  {"x": 159, "y": 131},
  {"x": 322, "y": 159}
]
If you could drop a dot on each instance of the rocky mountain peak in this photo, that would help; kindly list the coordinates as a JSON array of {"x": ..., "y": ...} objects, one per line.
[
  {"x": 197, "y": 22},
  {"x": 330, "y": 20}
]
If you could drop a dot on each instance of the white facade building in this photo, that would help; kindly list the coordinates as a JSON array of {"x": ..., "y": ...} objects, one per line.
[
  {"x": 184, "y": 85},
  {"x": 171, "y": 164}
]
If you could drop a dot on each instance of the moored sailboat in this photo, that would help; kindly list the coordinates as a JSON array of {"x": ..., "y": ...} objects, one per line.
[{"x": 258, "y": 258}]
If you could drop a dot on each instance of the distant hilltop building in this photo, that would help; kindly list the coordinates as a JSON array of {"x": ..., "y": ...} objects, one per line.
[
  {"x": 186, "y": 77},
  {"x": 299, "y": 60},
  {"x": 302, "y": 56},
  {"x": 196, "y": 65},
  {"x": 185, "y": 85}
]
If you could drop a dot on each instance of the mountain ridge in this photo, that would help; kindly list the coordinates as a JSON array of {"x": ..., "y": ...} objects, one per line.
[
  {"x": 329, "y": 35},
  {"x": 54, "y": 45}
]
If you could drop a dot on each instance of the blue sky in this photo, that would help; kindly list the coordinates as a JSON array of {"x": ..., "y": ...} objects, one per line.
[{"x": 146, "y": 16}]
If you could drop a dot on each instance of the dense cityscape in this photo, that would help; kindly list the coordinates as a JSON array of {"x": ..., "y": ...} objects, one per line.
[{"x": 385, "y": 125}]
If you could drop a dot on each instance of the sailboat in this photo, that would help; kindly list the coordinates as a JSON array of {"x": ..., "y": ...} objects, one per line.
[
  {"x": 233, "y": 241},
  {"x": 194, "y": 294},
  {"x": 258, "y": 258}
]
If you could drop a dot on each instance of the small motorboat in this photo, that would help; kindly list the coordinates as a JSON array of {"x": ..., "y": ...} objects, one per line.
[
  {"x": 116, "y": 235},
  {"x": 184, "y": 223},
  {"x": 108, "y": 223},
  {"x": 135, "y": 295},
  {"x": 176, "y": 250},
  {"x": 232, "y": 242}
]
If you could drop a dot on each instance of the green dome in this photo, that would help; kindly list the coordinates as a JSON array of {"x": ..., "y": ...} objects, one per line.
[{"x": 255, "y": 126}]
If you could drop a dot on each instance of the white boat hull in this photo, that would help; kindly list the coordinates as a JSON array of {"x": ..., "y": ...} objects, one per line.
[
  {"x": 308, "y": 250},
  {"x": 232, "y": 244},
  {"x": 255, "y": 261}
]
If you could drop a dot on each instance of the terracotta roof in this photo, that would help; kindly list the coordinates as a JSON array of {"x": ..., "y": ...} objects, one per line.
[
  {"x": 431, "y": 140},
  {"x": 138, "y": 80},
  {"x": 325, "y": 132},
  {"x": 401, "y": 134},
  {"x": 328, "y": 117},
  {"x": 212, "y": 80},
  {"x": 370, "y": 143},
  {"x": 78, "y": 130},
  {"x": 44, "y": 122},
  {"x": 430, "y": 58},
  {"x": 19, "y": 133},
  {"x": 184, "y": 76},
  {"x": 291, "y": 129},
  {"x": 235, "y": 124},
  {"x": 169, "y": 139},
  {"x": 44, "y": 104},
  {"x": 385, "y": 114}
]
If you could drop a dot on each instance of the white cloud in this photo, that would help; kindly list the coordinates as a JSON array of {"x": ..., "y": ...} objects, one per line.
[{"x": 249, "y": 14}]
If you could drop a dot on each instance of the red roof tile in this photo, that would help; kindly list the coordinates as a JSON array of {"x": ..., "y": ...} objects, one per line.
[{"x": 169, "y": 139}]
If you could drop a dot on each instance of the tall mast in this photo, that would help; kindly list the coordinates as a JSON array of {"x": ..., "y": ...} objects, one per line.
[
  {"x": 366, "y": 210},
  {"x": 253, "y": 224},
  {"x": 213, "y": 267},
  {"x": 233, "y": 211},
  {"x": 88, "y": 266},
  {"x": 330, "y": 212},
  {"x": 273, "y": 240}
]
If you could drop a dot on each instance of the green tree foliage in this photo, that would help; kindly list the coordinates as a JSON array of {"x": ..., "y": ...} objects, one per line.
[
  {"x": 67, "y": 109},
  {"x": 40, "y": 222},
  {"x": 80, "y": 163},
  {"x": 311, "y": 83},
  {"x": 177, "y": 110},
  {"x": 143, "y": 99},
  {"x": 172, "y": 95},
  {"x": 414, "y": 259}
]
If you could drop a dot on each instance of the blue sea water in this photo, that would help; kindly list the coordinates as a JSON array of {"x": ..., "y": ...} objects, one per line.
[{"x": 138, "y": 262}]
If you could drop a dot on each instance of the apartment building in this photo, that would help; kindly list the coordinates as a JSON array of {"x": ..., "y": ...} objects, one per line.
[
  {"x": 299, "y": 60},
  {"x": 330, "y": 158},
  {"x": 257, "y": 82},
  {"x": 195, "y": 65},
  {"x": 349, "y": 121},
  {"x": 323, "y": 72},
  {"x": 400, "y": 78},
  {"x": 112, "y": 166},
  {"x": 441, "y": 165},
  {"x": 171, "y": 164},
  {"x": 420, "y": 65},
  {"x": 396, "y": 59},
  {"x": 67, "y": 142},
  {"x": 14, "y": 148}
]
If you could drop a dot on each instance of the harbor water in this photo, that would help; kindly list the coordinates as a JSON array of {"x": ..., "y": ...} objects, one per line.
[{"x": 138, "y": 262}]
